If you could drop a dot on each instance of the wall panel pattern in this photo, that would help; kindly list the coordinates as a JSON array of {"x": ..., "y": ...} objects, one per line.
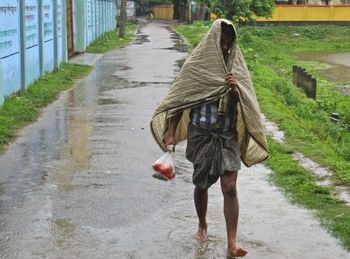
[{"x": 33, "y": 36}]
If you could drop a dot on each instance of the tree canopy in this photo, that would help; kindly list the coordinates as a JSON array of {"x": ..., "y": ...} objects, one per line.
[
  {"x": 149, "y": 3},
  {"x": 238, "y": 10}
]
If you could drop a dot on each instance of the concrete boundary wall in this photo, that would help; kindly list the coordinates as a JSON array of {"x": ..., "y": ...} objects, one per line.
[
  {"x": 32, "y": 42},
  {"x": 92, "y": 18},
  {"x": 33, "y": 37},
  {"x": 309, "y": 13}
]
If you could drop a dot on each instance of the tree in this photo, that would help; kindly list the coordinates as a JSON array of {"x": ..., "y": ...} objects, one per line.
[{"x": 238, "y": 10}]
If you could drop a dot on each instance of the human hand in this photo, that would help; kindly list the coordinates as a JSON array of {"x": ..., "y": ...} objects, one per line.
[
  {"x": 231, "y": 80},
  {"x": 170, "y": 143}
]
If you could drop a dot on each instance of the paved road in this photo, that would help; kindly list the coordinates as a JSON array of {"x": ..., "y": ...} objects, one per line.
[{"x": 77, "y": 183}]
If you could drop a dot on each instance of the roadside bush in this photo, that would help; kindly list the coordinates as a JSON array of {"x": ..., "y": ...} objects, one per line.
[
  {"x": 245, "y": 37},
  {"x": 314, "y": 32},
  {"x": 262, "y": 32}
]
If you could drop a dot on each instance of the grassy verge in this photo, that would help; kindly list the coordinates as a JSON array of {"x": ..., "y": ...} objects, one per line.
[
  {"x": 306, "y": 125},
  {"x": 301, "y": 188},
  {"x": 111, "y": 40},
  {"x": 270, "y": 53},
  {"x": 18, "y": 111}
]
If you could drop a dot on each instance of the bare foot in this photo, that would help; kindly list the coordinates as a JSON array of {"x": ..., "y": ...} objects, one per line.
[
  {"x": 201, "y": 234},
  {"x": 235, "y": 251}
]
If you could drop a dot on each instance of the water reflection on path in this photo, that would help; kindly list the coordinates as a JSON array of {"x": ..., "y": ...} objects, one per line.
[{"x": 77, "y": 183}]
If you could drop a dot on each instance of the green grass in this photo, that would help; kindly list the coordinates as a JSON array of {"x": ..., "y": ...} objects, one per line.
[
  {"x": 18, "y": 111},
  {"x": 301, "y": 188},
  {"x": 193, "y": 33},
  {"x": 270, "y": 53},
  {"x": 111, "y": 40}
]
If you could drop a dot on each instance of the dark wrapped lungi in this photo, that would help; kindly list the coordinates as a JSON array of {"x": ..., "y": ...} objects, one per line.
[{"x": 213, "y": 154}]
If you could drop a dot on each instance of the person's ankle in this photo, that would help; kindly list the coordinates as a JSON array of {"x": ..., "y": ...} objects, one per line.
[{"x": 203, "y": 225}]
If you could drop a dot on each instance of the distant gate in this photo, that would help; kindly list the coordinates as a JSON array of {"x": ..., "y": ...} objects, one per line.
[{"x": 163, "y": 12}]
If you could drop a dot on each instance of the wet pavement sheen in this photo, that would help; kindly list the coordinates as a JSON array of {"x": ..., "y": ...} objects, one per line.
[{"x": 77, "y": 183}]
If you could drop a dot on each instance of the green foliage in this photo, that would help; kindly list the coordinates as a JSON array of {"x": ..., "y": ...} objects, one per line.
[
  {"x": 18, "y": 111},
  {"x": 262, "y": 8},
  {"x": 262, "y": 32},
  {"x": 150, "y": 3},
  {"x": 198, "y": 29},
  {"x": 315, "y": 32},
  {"x": 240, "y": 10}
]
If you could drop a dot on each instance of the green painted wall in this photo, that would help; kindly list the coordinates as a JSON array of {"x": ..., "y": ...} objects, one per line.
[
  {"x": 33, "y": 36},
  {"x": 92, "y": 18}
]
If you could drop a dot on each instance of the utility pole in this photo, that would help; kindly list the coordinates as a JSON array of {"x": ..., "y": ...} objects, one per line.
[
  {"x": 122, "y": 19},
  {"x": 116, "y": 14},
  {"x": 189, "y": 11}
]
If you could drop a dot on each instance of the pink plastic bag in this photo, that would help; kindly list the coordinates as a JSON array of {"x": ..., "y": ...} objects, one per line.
[{"x": 164, "y": 167}]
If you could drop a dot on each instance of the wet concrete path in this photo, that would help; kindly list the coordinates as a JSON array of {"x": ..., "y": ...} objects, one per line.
[{"x": 77, "y": 183}]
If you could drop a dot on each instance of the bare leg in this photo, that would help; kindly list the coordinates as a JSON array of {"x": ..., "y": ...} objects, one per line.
[
  {"x": 231, "y": 211},
  {"x": 201, "y": 202}
]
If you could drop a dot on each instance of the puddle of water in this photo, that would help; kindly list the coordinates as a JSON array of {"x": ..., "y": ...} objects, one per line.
[
  {"x": 323, "y": 176},
  {"x": 344, "y": 193},
  {"x": 107, "y": 101},
  {"x": 308, "y": 164},
  {"x": 339, "y": 58},
  {"x": 85, "y": 59},
  {"x": 337, "y": 74},
  {"x": 338, "y": 69},
  {"x": 180, "y": 45},
  {"x": 141, "y": 38},
  {"x": 272, "y": 129},
  {"x": 344, "y": 89}
]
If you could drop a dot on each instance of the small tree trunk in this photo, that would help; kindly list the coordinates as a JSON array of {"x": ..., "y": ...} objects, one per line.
[{"x": 122, "y": 19}]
